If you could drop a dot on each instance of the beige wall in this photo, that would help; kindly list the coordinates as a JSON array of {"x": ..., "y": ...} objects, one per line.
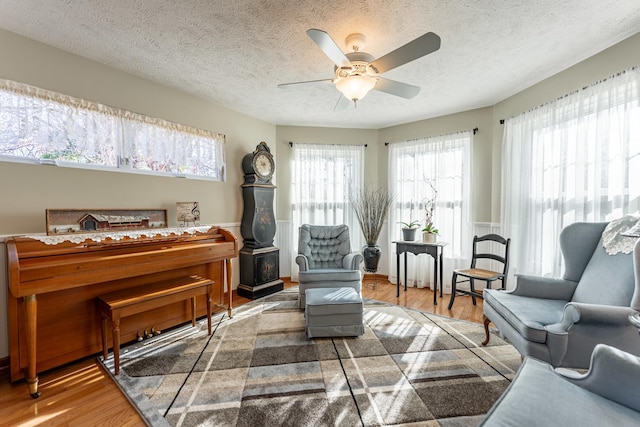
[{"x": 27, "y": 190}]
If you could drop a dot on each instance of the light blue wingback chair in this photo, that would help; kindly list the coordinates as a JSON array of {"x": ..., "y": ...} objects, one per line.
[
  {"x": 325, "y": 259},
  {"x": 540, "y": 396},
  {"x": 561, "y": 320}
]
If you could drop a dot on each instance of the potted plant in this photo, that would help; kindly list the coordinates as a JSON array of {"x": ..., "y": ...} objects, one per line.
[
  {"x": 409, "y": 230},
  {"x": 430, "y": 232},
  {"x": 371, "y": 206}
]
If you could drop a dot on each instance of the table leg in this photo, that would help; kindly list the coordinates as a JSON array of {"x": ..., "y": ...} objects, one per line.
[
  {"x": 397, "y": 274},
  {"x": 435, "y": 279},
  {"x": 441, "y": 271},
  {"x": 405, "y": 271},
  {"x": 229, "y": 287}
]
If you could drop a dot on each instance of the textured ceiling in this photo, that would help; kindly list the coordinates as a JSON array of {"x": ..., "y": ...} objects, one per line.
[{"x": 235, "y": 53}]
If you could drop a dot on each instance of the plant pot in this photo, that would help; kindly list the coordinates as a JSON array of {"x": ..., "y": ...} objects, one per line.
[
  {"x": 409, "y": 234},
  {"x": 428, "y": 237},
  {"x": 371, "y": 255}
]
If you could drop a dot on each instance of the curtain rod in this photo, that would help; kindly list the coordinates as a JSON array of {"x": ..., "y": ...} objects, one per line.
[
  {"x": 346, "y": 145},
  {"x": 475, "y": 130},
  {"x": 618, "y": 74}
]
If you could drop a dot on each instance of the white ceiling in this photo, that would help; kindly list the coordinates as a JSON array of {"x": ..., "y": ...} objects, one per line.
[{"x": 235, "y": 53}]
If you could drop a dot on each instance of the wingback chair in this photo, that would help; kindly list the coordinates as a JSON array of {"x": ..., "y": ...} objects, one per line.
[
  {"x": 325, "y": 259},
  {"x": 561, "y": 320},
  {"x": 542, "y": 396}
]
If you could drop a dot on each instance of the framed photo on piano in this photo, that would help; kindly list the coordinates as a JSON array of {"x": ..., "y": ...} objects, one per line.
[{"x": 70, "y": 221}]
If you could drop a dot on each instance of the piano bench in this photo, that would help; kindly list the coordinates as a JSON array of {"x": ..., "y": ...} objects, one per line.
[{"x": 127, "y": 302}]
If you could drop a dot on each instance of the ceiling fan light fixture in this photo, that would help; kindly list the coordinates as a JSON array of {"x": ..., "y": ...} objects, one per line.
[{"x": 355, "y": 87}]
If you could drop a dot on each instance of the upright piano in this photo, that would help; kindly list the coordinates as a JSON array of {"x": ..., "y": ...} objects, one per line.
[{"x": 53, "y": 318}]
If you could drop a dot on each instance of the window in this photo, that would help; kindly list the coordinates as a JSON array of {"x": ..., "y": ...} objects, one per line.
[
  {"x": 37, "y": 125},
  {"x": 322, "y": 177},
  {"x": 443, "y": 162},
  {"x": 574, "y": 159}
]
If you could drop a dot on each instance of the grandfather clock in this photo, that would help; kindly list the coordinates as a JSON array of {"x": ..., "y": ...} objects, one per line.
[{"x": 259, "y": 259}]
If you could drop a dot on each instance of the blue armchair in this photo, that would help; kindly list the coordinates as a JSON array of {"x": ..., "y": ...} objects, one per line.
[
  {"x": 561, "y": 320},
  {"x": 325, "y": 259},
  {"x": 542, "y": 396}
]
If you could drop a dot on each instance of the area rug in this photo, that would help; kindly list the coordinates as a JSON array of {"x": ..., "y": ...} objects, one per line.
[{"x": 259, "y": 369}]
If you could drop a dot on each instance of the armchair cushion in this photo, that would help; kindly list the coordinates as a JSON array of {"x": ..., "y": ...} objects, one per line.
[
  {"x": 329, "y": 275},
  {"x": 529, "y": 316}
]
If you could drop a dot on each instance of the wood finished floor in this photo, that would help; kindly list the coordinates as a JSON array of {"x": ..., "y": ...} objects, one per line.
[{"x": 82, "y": 394}]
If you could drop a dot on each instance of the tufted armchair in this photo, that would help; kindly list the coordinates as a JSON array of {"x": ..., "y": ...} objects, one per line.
[
  {"x": 561, "y": 320},
  {"x": 325, "y": 259}
]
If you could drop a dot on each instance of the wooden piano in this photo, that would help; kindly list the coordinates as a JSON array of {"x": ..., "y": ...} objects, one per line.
[{"x": 53, "y": 318}]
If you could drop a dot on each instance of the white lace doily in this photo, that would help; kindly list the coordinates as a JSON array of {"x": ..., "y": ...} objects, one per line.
[
  {"x": 117, "y": 235},
  {"x": 620, "y": 235}
]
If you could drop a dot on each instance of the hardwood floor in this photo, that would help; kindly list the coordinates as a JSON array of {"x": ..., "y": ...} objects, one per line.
[{"x": 82, "y": 394}]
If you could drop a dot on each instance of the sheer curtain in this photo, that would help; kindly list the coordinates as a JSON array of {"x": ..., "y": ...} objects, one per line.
[
  {"x": 574, "y": 159},
  {"x": 445, "y": 162},
  {"x": 322, "y": 177}
]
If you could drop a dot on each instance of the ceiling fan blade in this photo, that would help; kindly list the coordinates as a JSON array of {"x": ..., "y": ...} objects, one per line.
[
  {"x": 423, "y": 45},
  {"x": 286, "y": 85},
  {"x": 393, "y": 87},
  {"x": 342, "y": 103},
  {"x": 329, "y": 47}
]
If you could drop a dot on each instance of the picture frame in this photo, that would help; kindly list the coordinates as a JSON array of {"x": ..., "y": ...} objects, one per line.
[
  {"x": 188, "y": 213},
  {"x": 75, "y": 221}
]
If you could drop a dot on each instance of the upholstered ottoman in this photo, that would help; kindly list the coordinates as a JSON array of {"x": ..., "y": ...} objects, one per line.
[{"x": 333, "y": 312}]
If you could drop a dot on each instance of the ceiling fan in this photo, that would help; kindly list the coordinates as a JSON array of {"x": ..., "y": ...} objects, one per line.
[{"x": 358, "y": 72}]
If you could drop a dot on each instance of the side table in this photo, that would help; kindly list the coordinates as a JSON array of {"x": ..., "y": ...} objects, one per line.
[{"x": 434, "y": 249}]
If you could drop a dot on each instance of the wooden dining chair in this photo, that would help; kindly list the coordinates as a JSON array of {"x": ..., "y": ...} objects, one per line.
[{"x": 474, "y": 273}]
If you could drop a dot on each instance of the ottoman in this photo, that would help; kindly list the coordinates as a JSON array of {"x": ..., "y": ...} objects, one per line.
[{"x": 333, "y": 312}]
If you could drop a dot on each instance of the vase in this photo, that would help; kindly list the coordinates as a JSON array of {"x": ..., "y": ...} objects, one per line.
[
  {"x": 371, "y": 255},
  {"x": 409, "y": 234},
  {"x": 428, "y": 237}
]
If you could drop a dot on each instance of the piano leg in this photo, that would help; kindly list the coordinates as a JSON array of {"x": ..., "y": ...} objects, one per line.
[
  {"x": 31, "y": 315},
  {"x": 229, "y": 287}
]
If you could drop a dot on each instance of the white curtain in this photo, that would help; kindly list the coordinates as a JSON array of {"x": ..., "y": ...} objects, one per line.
[
  {"x": 321, "y": 179},
  {"x": 571, "y": 160},
  {"x": 445, "y": 162}
]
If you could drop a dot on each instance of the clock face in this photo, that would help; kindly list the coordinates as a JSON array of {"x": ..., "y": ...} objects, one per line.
[{"x": 263, "y": 165}]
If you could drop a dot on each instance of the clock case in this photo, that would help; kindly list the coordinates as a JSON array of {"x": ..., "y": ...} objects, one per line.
[{"x": 259, "y": 259}]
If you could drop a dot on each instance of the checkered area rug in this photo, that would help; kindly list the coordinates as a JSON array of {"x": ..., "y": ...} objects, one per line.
[{"x": 259, "y": 369}]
